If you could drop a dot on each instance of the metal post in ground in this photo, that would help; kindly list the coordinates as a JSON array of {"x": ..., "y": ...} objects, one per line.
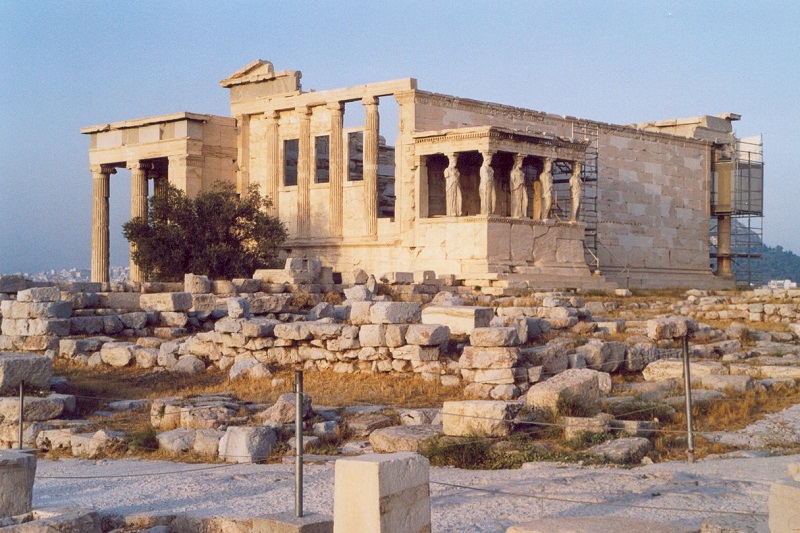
[
  {"x": 21, "y": 410},
  {"x": 687, "y": 386},
  {"x": 298, "y": 441}
]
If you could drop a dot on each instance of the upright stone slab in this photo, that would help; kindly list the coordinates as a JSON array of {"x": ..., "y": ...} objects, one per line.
[
  {"x": 382, "y": 494},
  {"x": 784, "y": 503},
  {"x": 17, "y": 472}
]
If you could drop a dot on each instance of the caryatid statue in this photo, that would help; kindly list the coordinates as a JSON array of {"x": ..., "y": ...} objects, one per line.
[
  {"x": 486, "y": 186},
  {"x": 575, "y": 189},
  {"x": 452, "y": 182},
  {"x": 519, "y": 199},
  {"x": 546, "y": 179}
]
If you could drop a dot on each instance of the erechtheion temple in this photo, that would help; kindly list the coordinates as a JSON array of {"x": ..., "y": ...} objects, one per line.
[{"x": 475, "y": 189}]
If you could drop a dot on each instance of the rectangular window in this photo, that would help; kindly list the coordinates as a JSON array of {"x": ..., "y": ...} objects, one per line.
[
  {"x": 291, "y": 148},
  {"x": 322, "y": 152},
  {"x": 355, "y": 156}
]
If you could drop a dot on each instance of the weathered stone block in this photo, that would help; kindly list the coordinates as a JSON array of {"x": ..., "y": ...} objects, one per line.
[
  {"x": 460, "y": 319},
  {"x": 166, "y": 301},
  {"x": 196, "y": 284},
  {"x": 39, "y": 294},
  {"x": 34, "y": 370},
  {"x": 603, "y": 356},
  {"x": 382, "y": 494},
  {"x": 395, "y": 312},
  {"x": 494, "y": 336},
  {"x": 238, "y": 308},
  {"x": 406, "y": 438},
  {"x": 17, "y": 473},
  {"x": 372, "y": 335},
  {"x": 287, "y": 522},
  {"x": 246, "y": 444},
  {"x": 479, "y": 357},
  {"x": 673, "y": 369},
  {"x": 427, "y": 334},
  {"x": 577, "y": 387},
  {"x": 481, "y": 418},
  {"x": 117, "y": 353}
]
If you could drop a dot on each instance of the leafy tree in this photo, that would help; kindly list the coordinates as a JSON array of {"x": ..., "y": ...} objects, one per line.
[{"x": 219, "y": 234}]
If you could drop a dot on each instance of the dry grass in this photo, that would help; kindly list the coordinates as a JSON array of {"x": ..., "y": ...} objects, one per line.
[
  {"x": 734, "y": 412},
  {"x": 96, "y": 385}
]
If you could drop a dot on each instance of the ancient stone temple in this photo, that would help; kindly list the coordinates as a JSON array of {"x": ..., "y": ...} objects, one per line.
[{"x": 475, "y": 189}]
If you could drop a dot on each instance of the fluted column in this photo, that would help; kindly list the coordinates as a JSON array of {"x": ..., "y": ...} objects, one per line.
[
  {"x": 371, "y": 165},
  {"x": 138, "y": 207},
  {"x": 100, "y": 250},
  {"x": 304, "y": 172},
  {"x": 243, "y": 154},
  {"x": 272, "y": 161},
  {"x": 336, "y": 167}
]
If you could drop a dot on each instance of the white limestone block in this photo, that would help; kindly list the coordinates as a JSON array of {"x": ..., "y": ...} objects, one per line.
[
  {"x": 479, "y": 357},
  {"x": 189, "y": 364},
  {"x": 460, "y": 319},
  {"x": 577, "y": 386},
  {"x": 382, "y": 494},
  {"x": 35, "y": 370},
  {"x": 17, "y": 473},
  {"x": 196, "y": 284},
  {"x": 166, "y": 301},
  {"x": 372, "y": 335},
  {"x": 406, "y": 438},
  {"x": 395, "y": 312},
  {"x": 177, "y": 440},
  {"x": 494, "y": 336},
  {"x": 603, "y": 356},
  {"x": 427, "y": 334},
  {"x": 246, "y": 444},
  {"x": 206, "y": 441},
  {"x": 117, "y": 353},
  {"x": 238, "y": 308},
  {"x": 358, "y": 293},
  {"x": 482, "y": 418},
  {"x": 39, "y": 294},
  {"x": 673, "y": 369}
]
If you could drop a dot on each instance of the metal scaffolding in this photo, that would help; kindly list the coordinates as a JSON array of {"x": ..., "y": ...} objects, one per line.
[
  {"x": 737, "y": 209},
  {"x": 562, "y": 170}
]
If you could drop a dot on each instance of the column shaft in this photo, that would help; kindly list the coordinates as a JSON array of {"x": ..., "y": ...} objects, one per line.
[
  {"x": 138, "y": 208},
  {"x": 336, "y": 166},
  {"x": 100, "y": 239},
  {"x": 304, "y": 173},
  {"x": 273, "y": 174},
  {"x": 371, "y": 130},
  {"x": 243, "y": 154}
]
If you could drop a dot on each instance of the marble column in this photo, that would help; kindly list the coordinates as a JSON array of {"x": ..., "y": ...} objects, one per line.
[
  {"x": 138, "y": 206},
  {"x": 486, "y": 186},
  {"x": 243, "y": 154},
  {"x": 304, "y": 173},
  {"x": 100, "y": 240},
  {"x": 336, "y": 166},
  {"x": 371, "y": 165},
  {"x": 273, "y": 174}
]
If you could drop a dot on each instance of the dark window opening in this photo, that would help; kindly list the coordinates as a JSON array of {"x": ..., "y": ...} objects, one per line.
[
  {"x": 322, "y": 153},
  {"x": 355, "y": 156},
  {"x": 291, "y": 150}
]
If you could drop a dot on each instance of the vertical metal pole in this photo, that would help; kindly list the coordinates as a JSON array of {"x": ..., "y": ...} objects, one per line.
[
  {"x": 21, "y": 411},
  {"x": 298, "y": 440},
  {"x": 687, "y": 387}
]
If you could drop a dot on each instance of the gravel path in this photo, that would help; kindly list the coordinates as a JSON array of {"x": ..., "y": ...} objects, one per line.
[{"x": 721, "y": 487}]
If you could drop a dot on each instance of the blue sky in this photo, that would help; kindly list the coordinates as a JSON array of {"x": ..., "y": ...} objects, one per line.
[{"x": 65, "y": 65}]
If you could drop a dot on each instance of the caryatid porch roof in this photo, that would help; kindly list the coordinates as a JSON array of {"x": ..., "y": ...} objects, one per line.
[{"x": 495, "y": 139}]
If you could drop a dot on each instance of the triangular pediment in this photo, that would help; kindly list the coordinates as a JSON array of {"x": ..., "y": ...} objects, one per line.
[{"x": 257, "y": 70}]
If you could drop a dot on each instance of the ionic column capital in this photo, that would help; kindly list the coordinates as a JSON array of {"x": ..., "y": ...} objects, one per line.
[
  {"x": 139, "y": 165},
  {"x": 102, "y": 169},
  {"x": 336, "y": 107},
  {"x": 369, "y": 101},
  {"x": 303, "y": 110}
]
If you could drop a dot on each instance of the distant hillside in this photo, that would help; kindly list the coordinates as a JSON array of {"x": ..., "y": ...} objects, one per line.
[{"x": 780, "y": 264}]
